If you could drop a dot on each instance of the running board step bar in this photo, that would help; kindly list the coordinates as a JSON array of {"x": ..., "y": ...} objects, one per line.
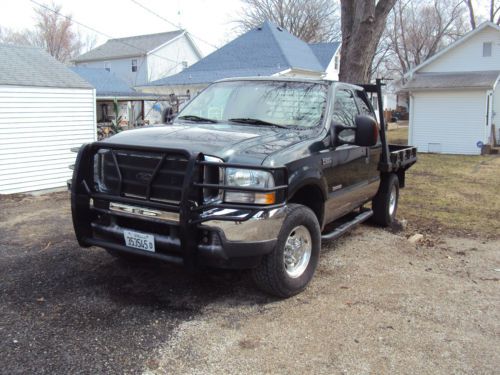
[{"x": 341, "y": 229}]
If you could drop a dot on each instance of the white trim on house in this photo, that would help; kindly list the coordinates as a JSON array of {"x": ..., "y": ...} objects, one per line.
[
  {"x": 188, "y": 38},
  {"x": 165, "y": 44}
]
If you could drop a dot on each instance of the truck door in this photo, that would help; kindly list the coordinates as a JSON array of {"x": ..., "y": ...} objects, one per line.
[
  {"x": 371, "y": 172},
  {"x": 347, "y": 173}
]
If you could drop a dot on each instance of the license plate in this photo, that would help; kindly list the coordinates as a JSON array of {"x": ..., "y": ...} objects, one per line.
[{"x": 141, "y": 241}]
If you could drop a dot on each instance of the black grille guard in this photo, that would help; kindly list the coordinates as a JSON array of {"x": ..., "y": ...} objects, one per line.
[{"x": 191, "y": 210}]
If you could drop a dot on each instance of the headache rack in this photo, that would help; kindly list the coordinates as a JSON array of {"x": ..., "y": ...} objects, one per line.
[
  {"x": 164, "y": 179},
  {"x": 394, "y": 158}
]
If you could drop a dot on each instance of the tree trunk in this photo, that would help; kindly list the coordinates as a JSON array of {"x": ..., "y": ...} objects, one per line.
[
  {"x": 362, "y": 22},
  {"x": 472, "y": 17}
]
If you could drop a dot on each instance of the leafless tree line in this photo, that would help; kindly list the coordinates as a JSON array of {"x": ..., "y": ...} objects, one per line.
[
  {"x": 53, "y": 33},
  {"x": 415, "y": 31},
  {"x": 312, "y": 20},
  {"x": 494, "y": 12}
]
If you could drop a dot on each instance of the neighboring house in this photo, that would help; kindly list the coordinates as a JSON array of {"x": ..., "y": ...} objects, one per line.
[
  {"x": 141, "y": 59},
  {"x": 114, "y": 95},
  {"x": 455, "y": 95},
  {"x": 267, "y": 50},
  {"x": 45, "y": 110}
]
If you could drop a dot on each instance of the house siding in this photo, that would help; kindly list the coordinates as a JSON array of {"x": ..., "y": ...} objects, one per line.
[
  {"x": 331, "y": 73},
  {"x": 449, "y": 122},
  {"x": 38, "y": 126},
  {"x": 123, "y": 68},
  {"x": 167, "y": 60},
  {"x": 495, "y": 119},
  {"x": 468, "y": 56}
]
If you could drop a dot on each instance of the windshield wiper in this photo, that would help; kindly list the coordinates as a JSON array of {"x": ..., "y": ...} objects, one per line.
[
  {"x": 255, "y": 121},
  {"x": 197, "y": 119}
]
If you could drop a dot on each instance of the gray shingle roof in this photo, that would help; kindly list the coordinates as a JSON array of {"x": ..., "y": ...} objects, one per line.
[
  {"x": 107, "y": 84},
  {"x": 262, "y": 51},
  {"x": 429, "y": 81},
  {"x": 128, "y": 47},
  {"x": 324, "y": 52},
  {"x": 30, "y": 66}
]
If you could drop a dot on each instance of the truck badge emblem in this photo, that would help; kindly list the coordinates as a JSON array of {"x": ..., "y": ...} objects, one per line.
[{"x": 325, "y": 161}]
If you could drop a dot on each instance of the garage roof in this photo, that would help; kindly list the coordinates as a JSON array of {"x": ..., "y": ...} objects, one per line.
[
  {"x": 470, "y": 80},
  {"x": 31, "y": 66}
]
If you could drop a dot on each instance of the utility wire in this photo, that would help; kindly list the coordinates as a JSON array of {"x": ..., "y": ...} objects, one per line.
[
  {"x": 171, "y": 23},
  {"x": 103, "y": 34}
]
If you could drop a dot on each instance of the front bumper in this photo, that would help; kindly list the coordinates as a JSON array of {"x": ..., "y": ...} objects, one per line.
[
  {"x": 218, "y": 243},
  {"x": 190, "y": 233}
]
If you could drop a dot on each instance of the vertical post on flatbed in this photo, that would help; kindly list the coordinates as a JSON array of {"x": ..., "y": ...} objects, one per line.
[{"x": 383, "y": 138}]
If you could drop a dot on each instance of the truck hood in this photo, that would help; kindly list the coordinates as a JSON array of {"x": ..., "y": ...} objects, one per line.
[{"x": 232, "y": 143}]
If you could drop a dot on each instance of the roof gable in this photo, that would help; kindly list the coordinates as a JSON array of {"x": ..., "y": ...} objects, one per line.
[
  {"x": 325, "y": 52},
  {"x": 264, "y": 50},
  {"x": 456, "y": 44},
  {"x": 130, "y": 46},
  {"x": 31, "y": 66}
]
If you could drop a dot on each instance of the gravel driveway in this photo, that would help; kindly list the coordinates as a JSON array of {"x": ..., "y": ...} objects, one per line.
[{"x": 378, "y": 304}]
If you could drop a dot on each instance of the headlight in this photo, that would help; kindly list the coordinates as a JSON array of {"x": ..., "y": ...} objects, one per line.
[{"x": 249, "y": 178}]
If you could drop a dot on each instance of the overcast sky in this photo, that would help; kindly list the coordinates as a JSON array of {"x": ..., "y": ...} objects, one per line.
[{"x": 210, "y": 20}]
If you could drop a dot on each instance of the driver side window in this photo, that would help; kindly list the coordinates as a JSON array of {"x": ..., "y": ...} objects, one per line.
[{"x": 345, "y": 111}]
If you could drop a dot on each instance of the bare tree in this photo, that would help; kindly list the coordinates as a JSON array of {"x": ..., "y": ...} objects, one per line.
[
  {"x": 494, "y": 12},
  {"x": 416, "y": 31},
  {"x": 53, "y": 32},
  {"x": 472, "y": 17},
  {"x": 310, "y": 20},
  {"x": 363, "y": 22},
  {"x": 9, "y": 36}
]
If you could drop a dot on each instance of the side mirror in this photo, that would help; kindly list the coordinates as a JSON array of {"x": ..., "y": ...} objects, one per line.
[{"x": 365, "y": 133}]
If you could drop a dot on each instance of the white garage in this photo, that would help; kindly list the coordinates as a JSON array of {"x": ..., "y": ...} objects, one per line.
[
  {"x": 45, "y": 110},
  {"x": 450, "y": 122},
  {"x": 455, "y": 96}
]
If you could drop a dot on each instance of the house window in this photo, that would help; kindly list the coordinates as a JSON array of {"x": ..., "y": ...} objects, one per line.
[
  {"x": 184, "y": 64},
  {"x": 134, "y": 65},
  {"x": 106, "y": 66},
  {"x": 487, "y": 49},
  {"x": 336, "y": 62}
]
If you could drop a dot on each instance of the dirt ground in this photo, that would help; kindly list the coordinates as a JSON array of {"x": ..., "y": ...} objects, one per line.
[{"x": 377, "y": 305}]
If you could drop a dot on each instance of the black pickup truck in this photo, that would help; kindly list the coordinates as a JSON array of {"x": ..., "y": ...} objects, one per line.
[{"x": 253, "y": 174}]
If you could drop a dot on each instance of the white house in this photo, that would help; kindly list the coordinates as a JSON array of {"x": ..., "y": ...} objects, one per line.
[
  {"x": 144, "y": 58},
  {"x": 45, "y": 110},
  {"x": 455, "y": 95},
  {"x": 267, "y": 50}
]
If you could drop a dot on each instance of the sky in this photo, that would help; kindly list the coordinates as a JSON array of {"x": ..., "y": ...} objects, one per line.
[{"x": 210, "y": 22}]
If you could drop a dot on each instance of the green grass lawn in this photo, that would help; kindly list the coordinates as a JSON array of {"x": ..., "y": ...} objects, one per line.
[{"x": 451, "y": 193}]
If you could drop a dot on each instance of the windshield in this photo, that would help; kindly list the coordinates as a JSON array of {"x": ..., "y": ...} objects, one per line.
[{"x": 259, "y": 103}]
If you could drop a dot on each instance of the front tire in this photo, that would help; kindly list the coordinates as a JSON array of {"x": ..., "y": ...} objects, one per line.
[
  {"x": 290, "y": 267},
  {"x": 385, "y": 203}
]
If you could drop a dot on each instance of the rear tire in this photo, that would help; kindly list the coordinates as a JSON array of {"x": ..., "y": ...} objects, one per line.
[
  {"x": 385, "y": 203},
  {"x": 290, "y": 267}
]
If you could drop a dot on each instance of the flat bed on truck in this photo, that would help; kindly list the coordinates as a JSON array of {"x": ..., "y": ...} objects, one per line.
[{"x": 253, "y": 173}]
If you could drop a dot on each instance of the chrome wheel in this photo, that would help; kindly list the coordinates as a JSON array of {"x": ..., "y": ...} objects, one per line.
[
  {"x": 298, "y": 248},
  {"x": 393, "y": 198}
]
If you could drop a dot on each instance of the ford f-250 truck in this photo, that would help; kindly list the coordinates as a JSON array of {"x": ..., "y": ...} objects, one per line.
[{"x": 253, "y": 174}]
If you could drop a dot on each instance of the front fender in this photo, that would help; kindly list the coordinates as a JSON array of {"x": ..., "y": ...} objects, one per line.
[{"x": 305, "y": 176}]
